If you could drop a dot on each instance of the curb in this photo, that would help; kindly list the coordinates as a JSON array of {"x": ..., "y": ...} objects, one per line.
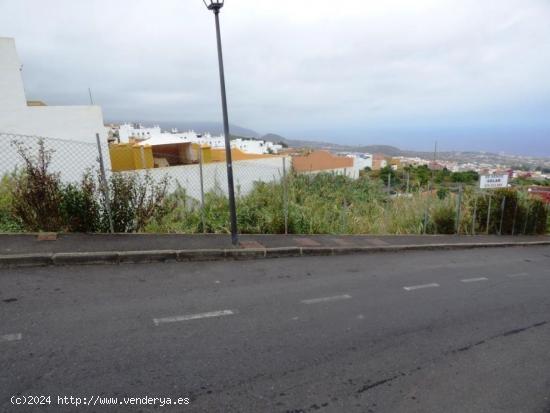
[
  {"x": 72, "y": 258},
  {"x": 139, "y": 257},
  {"x": 26, "y": 260},
  {"x": 201, "y": 255}
]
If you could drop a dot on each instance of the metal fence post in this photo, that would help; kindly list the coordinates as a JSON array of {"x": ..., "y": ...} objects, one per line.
[
  {"x": 285, "y": 196},
  {"x": 502, "y": 207},
  {"x": 526, "y": 220},
  {"x": 104, "y": 184},
  {"x": 489, "y": 213},
  {"x": 344, "y": 211},
  {"x": 474, "y": 216},
  {"x": 424, "y": 229},
  {"x": 202, "y": 191},
  {"x": 458, "y": 205},
  {"x": 514, "y": 220}
]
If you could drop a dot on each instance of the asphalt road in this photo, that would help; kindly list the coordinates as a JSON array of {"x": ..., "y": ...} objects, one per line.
[{"x": 457, "y": 331}]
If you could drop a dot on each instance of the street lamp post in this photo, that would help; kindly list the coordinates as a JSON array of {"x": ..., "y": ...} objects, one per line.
[{"x": 215, "y": 6}]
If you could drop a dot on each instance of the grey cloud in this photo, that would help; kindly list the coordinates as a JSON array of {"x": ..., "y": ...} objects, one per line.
[{"x": 290, "y": 67}]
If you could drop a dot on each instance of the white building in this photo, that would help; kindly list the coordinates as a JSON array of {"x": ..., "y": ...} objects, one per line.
[
  {"x": 79, "y": 123},
  {"x": 361, "y": 160},
  {"x": 139, "y": 132},
  {"x": 127, "y": 131},
  {"x": 255, "y": 146},
  {"x": 70, "y": 131}
]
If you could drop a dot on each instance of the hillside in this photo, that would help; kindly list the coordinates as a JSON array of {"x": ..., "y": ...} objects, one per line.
[{"x": 525, "y": 162}]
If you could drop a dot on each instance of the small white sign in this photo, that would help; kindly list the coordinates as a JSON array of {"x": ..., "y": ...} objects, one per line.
[{"x": 493, "y": 181}]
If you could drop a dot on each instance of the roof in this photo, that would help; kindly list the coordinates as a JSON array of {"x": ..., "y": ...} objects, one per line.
[
  {"x": 320, "y": 161},
  {"x": 164, "y": 139}
]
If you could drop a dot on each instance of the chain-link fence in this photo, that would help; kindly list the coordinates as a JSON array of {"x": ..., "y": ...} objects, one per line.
[
  {"x": 77, "y": 165},
  {"x": 70, "y": 159},
  {"x": 63, "y": 185}
]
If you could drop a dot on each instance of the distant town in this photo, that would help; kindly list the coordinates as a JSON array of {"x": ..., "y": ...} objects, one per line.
[{"x": 372, "y": 157}]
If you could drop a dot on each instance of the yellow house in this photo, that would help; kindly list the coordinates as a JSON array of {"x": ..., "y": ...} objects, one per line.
[
  {"x": 133, "y": 156},
  {"x": 129, "y": 156}
]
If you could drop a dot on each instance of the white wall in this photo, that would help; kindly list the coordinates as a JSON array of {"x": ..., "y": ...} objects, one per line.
[
  {"x": 360, "y": 163},
  {"x": 245, "y": 173},
  {"x": 78, "y": 123},
  {"x": 12, "y": 94},
  {"x": 349, "y": 172},
  {"x": 69, "y": 130},
  {"x": 126, "y": 131},
  {"x": 68, "y": 158}
]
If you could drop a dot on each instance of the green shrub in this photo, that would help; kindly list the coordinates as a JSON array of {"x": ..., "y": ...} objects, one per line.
[
  {"x": 80, "y": 207},
  {"x": 8, "y": 220},
  {"x": 520, "y": 215},
  {"x": 37, "y": 192},
  {"x": 537, "y": 221},
  {"x": 135, "y": 201},
  {"x": 442, "y": 193},
  {"x": 40, "y": 202},
  {"x": 443, "y": 220},
  {"x": 182, "y": 215}
]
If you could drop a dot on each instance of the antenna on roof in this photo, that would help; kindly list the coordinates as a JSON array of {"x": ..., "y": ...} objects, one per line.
[{"x": 91, "y": 98}]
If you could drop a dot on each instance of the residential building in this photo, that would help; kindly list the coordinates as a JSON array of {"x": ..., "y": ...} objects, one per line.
[
  {"x": 256, "y": 146},
  {"x": 379, "y": 161},
  {"x": 21, "y": 117},
  {"x": 542, "y": 192},
  {"x": 361, "y": 161},
  {"x": 70, "y": 131},
  {"x": 137, "y": 132},
  {"x": 322, "y": 161}
]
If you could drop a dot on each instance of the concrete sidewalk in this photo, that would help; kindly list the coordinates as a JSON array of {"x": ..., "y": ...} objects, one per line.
[{"x": 64, "y": 249}]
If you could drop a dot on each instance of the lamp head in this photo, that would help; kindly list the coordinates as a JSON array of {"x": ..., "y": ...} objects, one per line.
[{"x": 213, "y": 4}]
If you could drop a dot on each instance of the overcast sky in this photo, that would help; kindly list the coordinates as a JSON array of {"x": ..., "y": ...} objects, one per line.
[{"x": 471, "y": 74}]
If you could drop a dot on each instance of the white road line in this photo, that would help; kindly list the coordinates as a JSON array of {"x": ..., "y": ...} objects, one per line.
[
  {"x": 418, "y": 287},
  {"x": 11, "y": 337},
  {"x": 326, "y": 299},
  {"x": 519, "y": 274},
  {"x": 188, "y": 317},
  {"x": 474, "y": 280}
]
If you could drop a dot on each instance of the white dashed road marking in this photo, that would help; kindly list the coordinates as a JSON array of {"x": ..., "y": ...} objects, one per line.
[
  {"x": 326, "y": 299},
  {"x": 418, "y": 287},
  {"x": 11, "y": 337},
  {"x": 188, "y": 317},
  {"x": 474, "y": 280}
]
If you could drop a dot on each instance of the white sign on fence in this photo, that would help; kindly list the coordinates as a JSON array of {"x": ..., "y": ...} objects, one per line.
[{"x": 493, "y": 181}]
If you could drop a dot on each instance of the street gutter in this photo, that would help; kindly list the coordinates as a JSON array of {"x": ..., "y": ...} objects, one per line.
[{"x": 139, "y": 257}]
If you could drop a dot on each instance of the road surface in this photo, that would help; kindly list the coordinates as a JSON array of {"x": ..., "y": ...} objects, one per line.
[{"x": 457, "y": 331}]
